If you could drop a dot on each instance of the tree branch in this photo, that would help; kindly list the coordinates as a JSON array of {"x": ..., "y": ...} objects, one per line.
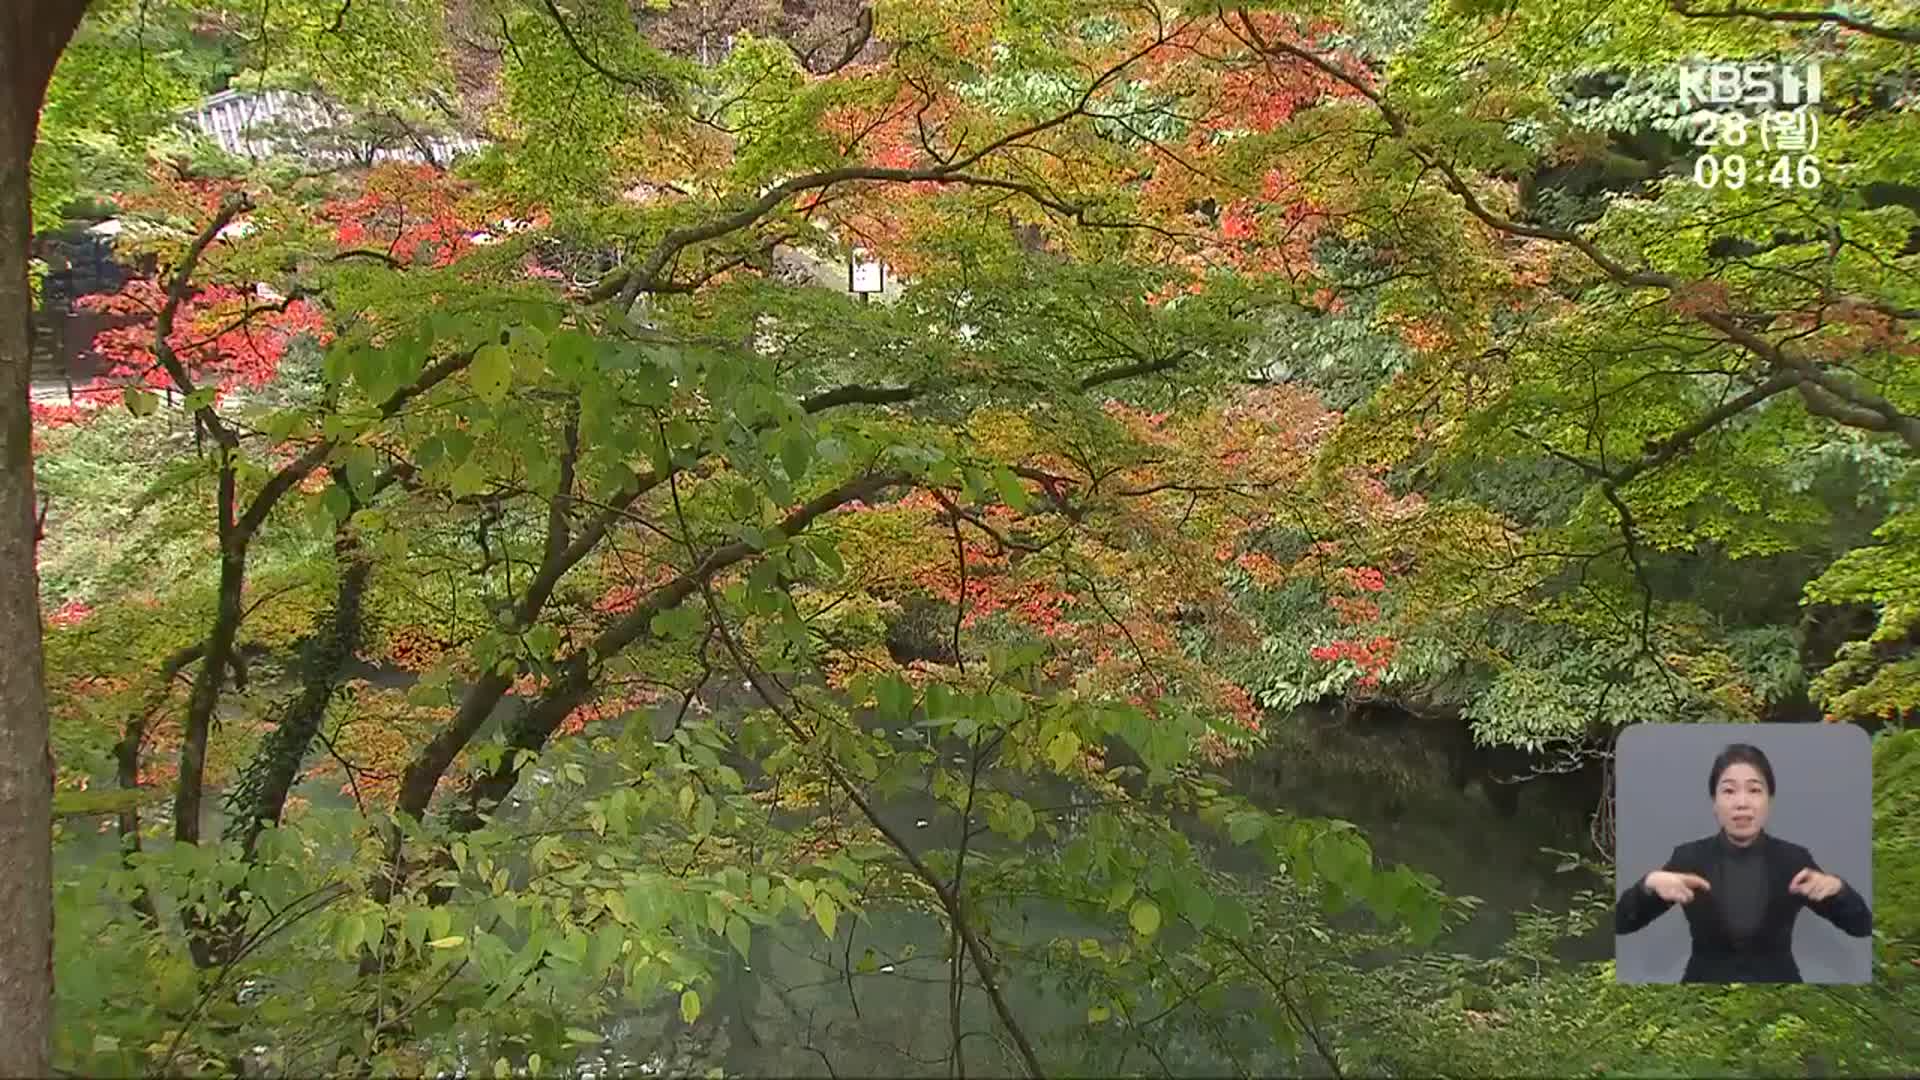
[
  {"x": 1661, "y": 451},
  {"x": 230, "y": 207},
  {"x": 857, "y": 37},
  {"x": 534, "y": 725},
  {"x": 368, "y": 253},
  {"x": 654, "y": 86},
  {"x": 1128, "y": 371},
  {"x": 424, "y": 772},
  {"x": 950, "y": 898},
  {"x": 296, "y": 470},
  {"x": 627, "y": 286},
  {"x": 1734, "y": 11},
  {"x": 1888, "y": 417}
]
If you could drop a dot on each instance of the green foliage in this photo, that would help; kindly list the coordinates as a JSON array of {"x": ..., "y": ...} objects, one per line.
[
  {"x": 115, "y": 89},
  {"x": 754, "y": 619},
  {"x": 1879, "y": 676},
  {"x": 1896, "y": 757}
]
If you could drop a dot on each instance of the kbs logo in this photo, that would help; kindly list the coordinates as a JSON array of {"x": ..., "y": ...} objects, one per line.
[
  {"x": 1720, "y": 99},
  {"x": 1754, "y": 83}
]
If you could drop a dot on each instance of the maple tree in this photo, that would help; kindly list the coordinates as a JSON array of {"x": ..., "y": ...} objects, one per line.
[{"x": 641, "y": 542}]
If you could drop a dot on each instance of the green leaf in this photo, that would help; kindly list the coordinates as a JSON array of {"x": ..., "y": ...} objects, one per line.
[
  {"x": 542, "y": 641},
  {"x": 974, "y": 483},
  {"x": 825, "y": 912},
  {"x": 1230, "y": 915},
  {"x": 1196, "y": 899},
  {"x": 1244, "y": 826},
  {"x": 1424, "y": 921},
  {"x": 1144, "y": 918},
  {"x": 1012, "y": 492},
  {"x": 796, "y": 452},
  {"x": 690, "y": 1006},
  {"x": 828, "y": 553},
  {"x": 373, "y": 369},
  {"x": 468, "y": 479},
  {"x": 940, "y": 701},
  {"x": 617, "y": 907},
  {"x": 649, "y": 385},
  {"x": 1020, "y": 820},
  {"x": 1098, "y": 1014},
  {"x": 739, "y": 935},
  {"x": 603, "y": 949},
  {"x": 677, "y": 622},
  {"x": 141, "y": 402},
  {"x": 337, "y": 502},
  {"x": 451, "y": 942},
  {"x": 582, "y": 1035},
  {"x": 1064, "y": 748},
  {"x": 352, "y": 934},
  {"x": 571, "y": 355},
  {"x": 893, "y": 697},
  {"x": 491, "y": 373}
]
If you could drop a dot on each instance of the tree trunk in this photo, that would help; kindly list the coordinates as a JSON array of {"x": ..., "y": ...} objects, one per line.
[
  {"x": 260, "y": 796},
  {"x": 32, "y": 35},
  {"x": 206, "y": 683}
]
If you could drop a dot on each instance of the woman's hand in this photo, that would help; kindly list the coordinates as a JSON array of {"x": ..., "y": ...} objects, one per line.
[
  {"x": 1675, "y": 887},
  {"x": 1814, "y": 885}
]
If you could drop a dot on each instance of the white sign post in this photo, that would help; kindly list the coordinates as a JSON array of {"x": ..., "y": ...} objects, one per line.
[{"x": 865, "y": 275}]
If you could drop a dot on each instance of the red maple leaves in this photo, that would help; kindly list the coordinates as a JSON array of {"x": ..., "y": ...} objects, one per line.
[
  {"x": 407, "y": 212},
  {"x": 1374, "y": 655},
  {"x": 224, "y": 337},
  {"x": 47, "y": 416},
  {"x": 1363, "y": 578},
  {"x": 991, "y": 589},
  {"x": 69, "y": 613}
]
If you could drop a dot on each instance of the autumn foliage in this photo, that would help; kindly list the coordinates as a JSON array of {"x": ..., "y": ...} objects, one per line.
[{"x": 225, "y": 338}]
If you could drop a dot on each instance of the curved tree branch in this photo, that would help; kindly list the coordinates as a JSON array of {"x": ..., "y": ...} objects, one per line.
[
  {"x": 1885, "y": 415},
  {"x": 532, "y": 728},
  {"x": 627, "y": 285},
  {"x": 657, "y": 87},
  {"x": 230, "y": 207},
  {"x": 1910, "y": 36},
  {"x": 949, "y": 895},
  {"x": 857, "y": 37}
]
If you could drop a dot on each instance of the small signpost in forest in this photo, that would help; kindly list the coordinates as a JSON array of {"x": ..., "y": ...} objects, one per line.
[{"x": 865, "y": 275}]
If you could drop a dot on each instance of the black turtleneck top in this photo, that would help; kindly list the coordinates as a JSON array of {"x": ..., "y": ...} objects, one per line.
[{"x": 1742, "y": 888}]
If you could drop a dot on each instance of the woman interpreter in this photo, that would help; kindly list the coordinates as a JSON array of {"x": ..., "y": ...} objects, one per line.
[{"x": 1741, "y": 889}]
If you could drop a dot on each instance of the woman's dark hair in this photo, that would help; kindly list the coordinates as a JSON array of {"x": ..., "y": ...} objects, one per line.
[{"x": 1740, "y": 754}]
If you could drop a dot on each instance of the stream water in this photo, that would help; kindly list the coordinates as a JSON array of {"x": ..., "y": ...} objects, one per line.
[
  {"x": 792, "y": 1010},
  {"x": 797, "y": 1014}
]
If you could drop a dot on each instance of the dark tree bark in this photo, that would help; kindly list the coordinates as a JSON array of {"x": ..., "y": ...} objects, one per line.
[
  {"x": 32, "y": 35},
  {"x": 126, "y": 756},
  {"x": 527, "y": 735},
  {"x": 260, "y": 796},
  {"x": 564, "y": 549}
]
